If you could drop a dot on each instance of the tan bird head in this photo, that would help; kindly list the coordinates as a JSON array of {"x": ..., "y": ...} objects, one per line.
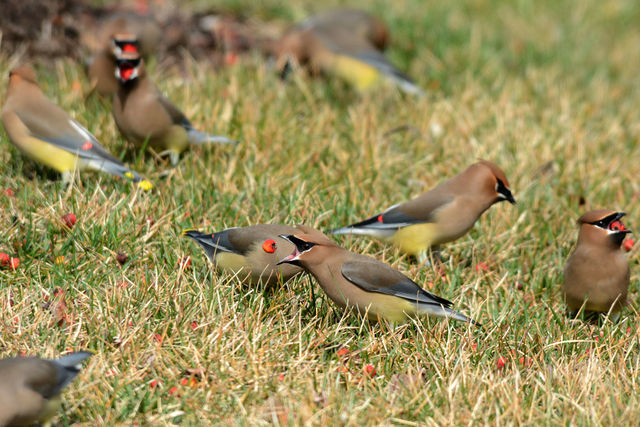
[
  {"x": 310, "y": 248},
  {"x": 129, "y": 67},
  {"x": 602, "y": 227},
  {"x": 494, "y": 181},
  {"x": 23, "y": 73},
  {"x": 124, "y": 43}
]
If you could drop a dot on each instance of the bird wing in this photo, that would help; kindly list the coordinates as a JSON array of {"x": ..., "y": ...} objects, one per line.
[
  {"x": 70, "y": 136},
  {"x": 238, "y": 240},
  {"x": 420, "y": 210},
  {"x": 174, "y": 112},
  {"x": 374, "y": 276},
  {"x": 215, "y": 242}
]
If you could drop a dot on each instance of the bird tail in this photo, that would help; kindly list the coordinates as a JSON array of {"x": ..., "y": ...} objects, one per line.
[
  {"x": 197, "y": 137},
  {"x": 68, "y": 367},
  {"x": 442, "y": 311},
  {"x": 364, "y": 69},
  {"x": 349, "y": 229},
  {"x": 405, "y": 84},
  {"x": 122, "y": 171},
  {"x": 365, "y": 231}
]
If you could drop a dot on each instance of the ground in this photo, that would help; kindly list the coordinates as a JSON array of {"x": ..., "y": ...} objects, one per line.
[{"x": 548, "y": 90}]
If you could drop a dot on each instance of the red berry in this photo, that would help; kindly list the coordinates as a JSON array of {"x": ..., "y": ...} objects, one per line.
[
  {"x": 191, "y": 381},
  {"x": 482, "y": 266},
  {"x": 14, "y": 263},
  {"x": 231, "y": 58},
  {"x": 628, "y": 244},
  {"x": 501, "y": 362},
  {"x": 343, "y": 352},
  {"x": 69, "y": 220},
  {"x": 185, "y": 262},
  {"x": 173, "y": 390},
  {"x": 4, "y": 259},
  {"x": 370, "y": 370},
  {"x": 525, "y": 361}
]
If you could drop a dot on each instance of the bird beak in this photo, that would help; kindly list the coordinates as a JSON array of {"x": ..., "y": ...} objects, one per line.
[
  {"x": 505, "y": 194},
  {"x": 619, "y": 216},
  {"x": 293, "y": 256}
]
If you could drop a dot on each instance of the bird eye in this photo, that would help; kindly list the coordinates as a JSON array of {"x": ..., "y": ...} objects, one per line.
[
  {"x": 269, "y": 246},
  {"x": 307, "y": 245}
]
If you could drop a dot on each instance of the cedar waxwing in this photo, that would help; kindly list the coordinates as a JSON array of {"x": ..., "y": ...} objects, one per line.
[
  {"x": 344, "y": 43},
  {"x": 44, "y": 132},
  {"x": 364, "y": 283},
  {"x": 255, "y": 249},
  {"x": 596, "y": 277},
  {"x": 143, "y": 114},
  {"x": 30, "y": 387},
  {"x": 441, "y": 215},
  {"x": 102, "y": 68}
]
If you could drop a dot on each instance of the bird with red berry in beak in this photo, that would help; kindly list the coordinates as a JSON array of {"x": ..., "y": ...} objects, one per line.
[
  {"x": 596, "y": 276},
  {"x": 146, "y": 118}
]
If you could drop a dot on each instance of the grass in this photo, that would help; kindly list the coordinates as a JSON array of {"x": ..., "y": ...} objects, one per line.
[{"x": 547, "y": 90}]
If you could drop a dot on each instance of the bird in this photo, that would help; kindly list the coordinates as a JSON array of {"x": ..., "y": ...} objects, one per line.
[
  {"x": 44, "y": 132},
  {"x": 144, "y": 115},
  {"x": 254, "y": 250},
  {"x": 101, "y": 69},
  {"x": 440, "y": 215},
  {"x": 30, "y": 387},
  {"x": 345, "y": 43},
  {"x": 596, "y": 275},
  {"x": 363, "y": 283}
]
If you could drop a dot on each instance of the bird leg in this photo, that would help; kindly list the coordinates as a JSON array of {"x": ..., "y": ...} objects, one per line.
[
  {"x": 427, "y": 255},
  {"x": 67, "y": 178},
  {"x": 423, "y": 258},
  {"x": 174, "y": 158},
  {"x": 435, "y": 251}
]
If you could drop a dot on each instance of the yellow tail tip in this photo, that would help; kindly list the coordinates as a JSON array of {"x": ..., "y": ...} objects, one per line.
[
  {"x": 145, "y": 185},
  {"x": 129, "y": 175},
  {"x": 186, "y": 230}
]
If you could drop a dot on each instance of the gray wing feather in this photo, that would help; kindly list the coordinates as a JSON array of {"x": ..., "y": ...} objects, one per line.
[{"x": 366, "y": 275}]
